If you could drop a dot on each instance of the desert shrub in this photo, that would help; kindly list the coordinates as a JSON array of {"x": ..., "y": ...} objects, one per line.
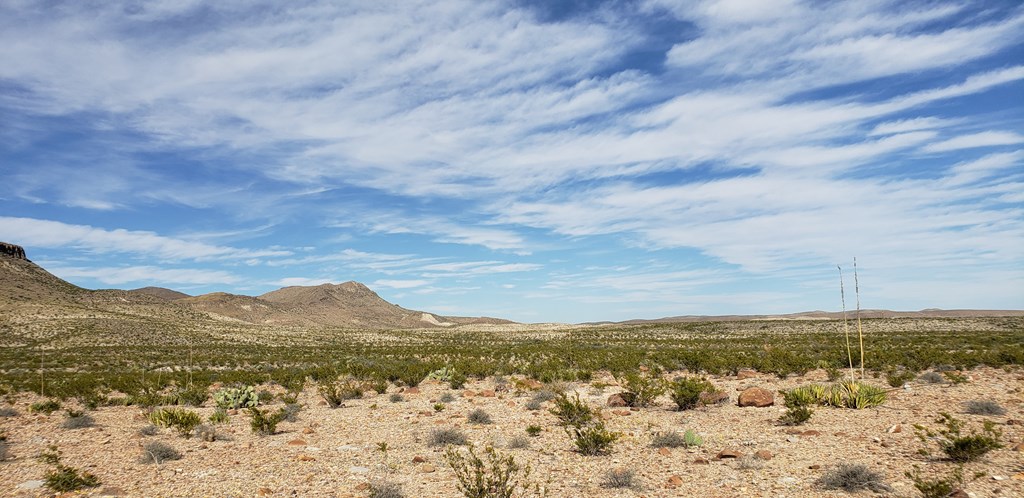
[
  {"x": 206, "y": 433},
  {"x": 646, "y": 388},
  {"x": 386, "y": 489},
  {"x": 932, "y": 378},
  {"x": 534, "y": 405},
  {"x": 457, "y": 380},
  {"x": 937, "y": 487},
  {"x": 857, "y": 395},
  {"x": 77, "y": 420},
  {"x": 544, "y": 395},
  {"x": 957, "y": 446},
  {"x": 852, "y": 477},
  {"x": 233, "y": 398},
  {"x": 181, "y": 420},
  {"x": 798, "y": 409},
  {"x": 337, "y": 391},
  {"x": 291, "y": 412},
  {"x": 686, "y": 391},
  {"x": 445, "y": 437},
  {"x": 194, "y": 396},
  {"x": 447, "y": 398},
  {"x": 264, "y": 422},
  {"x": 499, "y": 477},
  {"x": 49, "y": 406},
  {"x": 157, "y": 452},
  {"x": 149, "y": 430},
  {"x": 533, "y": 430},
  {"x": 518, "y": 442},
  {"x": 572, "y": 412},
  {"x": 984, "y": 407},
  {"x": 396, "y": 398},
  {"x": 219, "y": 416},
  {"x": 64, "y": 478},
  {"x": 265, "y": 396},
  {"x": 479, "y": 416},
  {"x": 955, "y": 377},
  {"x": 667, "y": 440},
  {"x": 593, "y": 439},
  {"x": 439, "y": 407},
  {"x": 8, "y": 411},
  {"x": 897, "y": 378},
  {"x": 620, "y": 477}
]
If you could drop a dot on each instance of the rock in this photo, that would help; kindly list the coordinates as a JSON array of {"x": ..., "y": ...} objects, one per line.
[
  {"x": 308, "y": 430},
  {"x": 810, "y": 432},
  {"x": 763, "y": 455},
  {"x": 814, "y": 467},
  {"x": 756, "y": 397},
  {"x": 788, "y": 480},
  {"x": 418, "y": 459},
  {"x": 34, "y": 484},
  {"x": 664, "y": 452},
  {"x": 532, "y": 384},
  {"x": 1019, "y": 447},
  {"x": 264, "y": 492},
  {"x": 411, "y": 390},
  {"x": 363, "y": 486},
  {"x": 622, "y": 399},
  {"x": 714, "y": 397},
  {"x": 958, "y": 493},
  {"x": 426, "y": 469},
  {"x": 896, "y": 429},
  {"x": 296, "y": 442},
  {"x": 729, "y": 453},
  {"x": 16, "y": 252},
  {"x": 487, "y": 393},
  {"x": 468, "y": 394},
  {"x": 1018, "y": 476},
  {"x": 622, "y": 413},
  {"x": 111, "y": 491},
  {"x": 792, "y": 439},
  {"x": 674, "y": 482},
  {"x": 304, "y": 458},
  {"x": 701, "y": 461},
  {"x": 746, "y": 373}
]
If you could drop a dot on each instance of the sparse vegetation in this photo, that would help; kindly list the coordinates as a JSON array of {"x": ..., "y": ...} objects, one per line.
[
  {"x": 572, "y": 412},
  {"x": 479, "y": 416},
  {"x": 446, "y": 437},
  {"x": 233, "y": 398},
  {"x": 984, "y": 407},
  {"x": 518, "y": 442},
  {"x": 386, "y": 489},
  {"x": 49, "y": 406},
  {"x": 798, "y": 409},
  {"x": 158, "y": 452},
  {"x": 686, "y": 391},
  {"x": 396, "y": 398},
  {"x": 957, "y": 446},
  {"x": 64, "y": 478},
  {"x": 932, "y": 378},
  {"x": 593, "y": 439},
  {"x": 667, "y": 440},
  {"x": 184, "y": 421},
  {"x": 499, "y": 477},
  {"x": 852, "y": 477},
  {"x": 264, "y": 422},
  {"x": 645, "y": 388},
  {"x": 77, "y": 420},
  {"x": 219, "y": 416},
  {"x": 337, "y": 391},
  {"x": 206, "y": 433},
  {"x": 533, "y": 430},
  {"x": 619, "y": 478}
]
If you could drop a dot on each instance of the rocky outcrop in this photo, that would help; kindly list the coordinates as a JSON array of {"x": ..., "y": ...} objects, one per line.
[{"x": 12, "y": 251}]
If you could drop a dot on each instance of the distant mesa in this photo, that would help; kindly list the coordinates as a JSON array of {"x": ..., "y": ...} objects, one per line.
[{"x": 12, "y": 251}]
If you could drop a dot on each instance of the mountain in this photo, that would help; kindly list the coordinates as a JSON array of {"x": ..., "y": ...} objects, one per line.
[{"x": 31, "y": 294}]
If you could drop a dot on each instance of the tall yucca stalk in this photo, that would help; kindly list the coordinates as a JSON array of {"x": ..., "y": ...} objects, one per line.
[
  {"x": 846, "y": 326},
  {"x": 860, "y": 331}
]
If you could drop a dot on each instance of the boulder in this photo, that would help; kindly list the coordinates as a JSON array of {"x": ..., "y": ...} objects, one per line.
[
  {"x": 622, "y": 399},
  {"x": 757, "y": 397}
]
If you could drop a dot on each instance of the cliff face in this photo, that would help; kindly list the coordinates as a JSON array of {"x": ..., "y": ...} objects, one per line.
[{"x": 12, "y": 251}]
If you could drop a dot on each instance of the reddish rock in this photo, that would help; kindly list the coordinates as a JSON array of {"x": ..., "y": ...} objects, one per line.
[
  {"x": 714, "y": 397},
  {"x": 1019, "y": 447},
  {"x": 622, "y": 413},
  {"x": 674, "y": 482},
  {"x": 296, "y": 442},
  {"x": 958, "y": 493},
  {"x": 814, "y": 467},
  {"x": 810, "y": 433},
  {"x": 746, "y": 373},
  {"x": 622, "y": 399},
  {"x": 418, "y": 459},
  {"x": 729, "y": 453},
  {"x": 468, "y": 394},
  {"x": 896, "y": 429},
  {"x": 426, "y": 469},
  {"x": 701, "y": 461},
  {"x": 305, "y": 458},
  {"x": 308, "y": 430},
  {"x": 664, "y": 452},
  {"x": 264, "y": 492},
  {"x": 532, "y": 384},
  {"x": 363, "y": 486},
  {"x": 487, "y": 393},
  {"x": 412, "y": 390},
  {"x": 757, "y": 397},
  {"x": 763, "y": 454}
]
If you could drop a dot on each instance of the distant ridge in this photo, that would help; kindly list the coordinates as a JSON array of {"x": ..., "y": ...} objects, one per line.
[
  {"x": 832, "y": 315},
  {"x": 162, "y": 293}
]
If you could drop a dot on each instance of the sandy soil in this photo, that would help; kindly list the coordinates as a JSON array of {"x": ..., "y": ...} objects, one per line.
[{"x": 334, "y": 452}]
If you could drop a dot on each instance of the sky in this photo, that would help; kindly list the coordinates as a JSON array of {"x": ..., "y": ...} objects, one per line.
[{"x": 541, "y": 161}]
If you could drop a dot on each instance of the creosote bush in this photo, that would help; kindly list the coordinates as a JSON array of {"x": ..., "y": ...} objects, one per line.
[
  {"x": 957, "y": 446},
  {"x": 620, "y": 477},
  {"x": 158, "y": 452},
  {"x": 593, "y": 439},
  {"x": 264, "y": 422},
  {"x": 572, "y": 412},
  {"x": 64, "y": 478},
  {"x": 686, "y": 391},
  {"x": 336, "y": 391},
  {"x": 479, "y": 416},
  {"x": 499, "y": 477},
  {"x": 852, "y": 477},
  {"x": 386, "y": 489},
  {"x": 645, "y": 388},
  {"x": 180, "y": 419},
  {"x": 939, "y": 486},
  {"x": 667, "y": 440},
  {"x": 445, "y": 437},
  {"x": 49, "y": 406},
  {"x": 798, "y": 409}
]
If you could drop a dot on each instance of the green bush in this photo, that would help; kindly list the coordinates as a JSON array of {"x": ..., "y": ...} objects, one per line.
[
  {"x": 798, "y": 409},
  {"x": 957, "y": 446},
  {"x": 593, "y": 439},
  {"x": 686, "y": 391},
  {"x": 63, "y": 478},
  {"x": 939, "y": 487},
  {"x": 572, "y": 412},
  {"x": 533, "y": 430},
  {"x": 233, "y": 398},
  {"x": 499, "y": 477},
  {"x": 479, "y": 416},
  {"x": 336, "y": 392},
  {"x": 645, "y": 387},
  {"x": 48, "y": 407},
  {"x": 219, "y": 416},
  {"x": 180, "y": 419},
  {"x": 264, "y": 422}
]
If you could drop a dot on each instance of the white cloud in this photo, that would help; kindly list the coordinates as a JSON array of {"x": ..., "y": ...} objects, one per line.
[
  {"x": 146, "y": 274},
  {"x": 982, "y": 139},
  {"x": 55, "y": 234},
  {"x": 400, "y": 284},
  {"x": 301, "y": 281}
]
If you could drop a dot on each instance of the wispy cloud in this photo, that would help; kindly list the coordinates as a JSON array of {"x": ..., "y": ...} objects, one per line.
[{"x": 146, "y": 274}]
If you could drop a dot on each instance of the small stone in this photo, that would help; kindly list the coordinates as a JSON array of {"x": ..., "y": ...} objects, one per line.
[
  {"x": 730, "y": 453},
  {"x": 427, "y": 468},
  {"x": 756, "y": 397},
  {"x": 308, "y": 430},
  {"x": 1019, "y": 447},
  {"x": 1013, "y": 422},
  {"x": 363, "y": 486},
  {"x": 814, "y": 467},
  {"x": 359, "y": 470},
  {"x": 296, "y": 442},
  {"x": 792, "y": 439},
  {"x": 876, "y": 439},
  {"x": 674, "y": 482},
  {"x": 701, "y": 461},
  {"x": 664, "y": 452},
  {"x": 810, "y": 433},
  {"x": 788, "y": 480},
  {"x": 487, "y": 393},
  {"x": 622, "y": 399},
  {"x": 746, "y": 373},
  {"x": 896, "y": 429},
  {"x": 763, "y": 454},
  {"x": 412, "y": 390},
  {"x": 958, "y": 493},
  {"x": 34, "y": 484},
  {"x": 468, "y": 394},
  {"x": 622, "y": 413},
  {"x": 418, "y": 459},
  {"x": 998, "y": 478},
  {"x": 264, "y": 492},
  {"x": 304, "y": 458}
]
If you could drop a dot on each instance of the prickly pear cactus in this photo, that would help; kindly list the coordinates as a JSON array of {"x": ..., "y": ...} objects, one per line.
[{"x": 235, "y": 398}]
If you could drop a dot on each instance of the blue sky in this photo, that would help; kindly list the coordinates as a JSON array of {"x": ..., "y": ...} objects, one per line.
[{"x": 534, "y": 160}]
